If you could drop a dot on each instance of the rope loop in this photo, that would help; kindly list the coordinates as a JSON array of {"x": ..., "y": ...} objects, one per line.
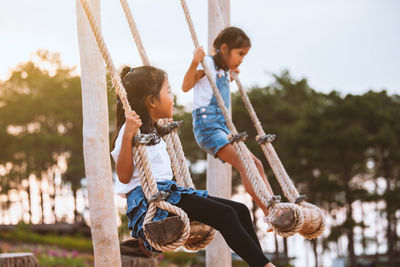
[
  {"x": 238, "y": 137},
  {"x": 300, "y": 199},
  {"x": 160, "y": 195},
  {"x": 169, "y": 127},
  {"x": 144, "y": 139},
  {"x": 273, "y": 201},
  {"x": 269, "y": 138}
]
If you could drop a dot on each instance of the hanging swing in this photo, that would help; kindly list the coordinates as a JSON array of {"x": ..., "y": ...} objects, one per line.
[
  {"x": 291, "y": 211},
  {"x": 156, "y": 199},
  {"x": 200, "y": 234},
  {"x": 314, "y": 219}
]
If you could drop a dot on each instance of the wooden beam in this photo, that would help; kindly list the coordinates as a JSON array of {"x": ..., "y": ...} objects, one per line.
[
  {"x": 96, "y": 144},
  {"x": 219, "y": 175}
]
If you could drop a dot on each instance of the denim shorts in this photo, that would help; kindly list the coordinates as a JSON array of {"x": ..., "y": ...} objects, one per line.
[
  {"x": 137, "y": 206},
  {"x": 210, "y": 129}
]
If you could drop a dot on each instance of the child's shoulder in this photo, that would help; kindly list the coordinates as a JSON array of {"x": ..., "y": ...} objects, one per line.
[{"x": 209, "y": 61}]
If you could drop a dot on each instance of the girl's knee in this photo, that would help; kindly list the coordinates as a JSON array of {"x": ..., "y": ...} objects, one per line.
[
  {"x": 228, "y": 214},
  {"x": 242, "y": 209}
]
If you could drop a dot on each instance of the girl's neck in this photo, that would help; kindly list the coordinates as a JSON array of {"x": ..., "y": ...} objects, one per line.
[{"x": 219, "y": 62}]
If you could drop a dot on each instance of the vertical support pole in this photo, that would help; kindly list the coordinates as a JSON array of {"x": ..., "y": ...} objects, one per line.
[
  {"x": 219, "y": 175},
  {"x": 96, "y": 144}
]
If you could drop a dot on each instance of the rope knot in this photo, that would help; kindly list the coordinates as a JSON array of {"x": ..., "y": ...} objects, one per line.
[
  {"x": 167, "y": 128},
  {"x": 269, "y": 138},
  {"x": 144, "y": 139},
  {"x": 237, "y": 137},
  {"x": 300, "y": 198},
  {"x": 273, "y": 201},
  {"x": 160, "y": 195}
]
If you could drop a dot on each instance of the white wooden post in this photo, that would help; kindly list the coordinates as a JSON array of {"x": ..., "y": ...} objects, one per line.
[
  {"x": 219, "y": 175},
  {"x": 96, "y": 144}
]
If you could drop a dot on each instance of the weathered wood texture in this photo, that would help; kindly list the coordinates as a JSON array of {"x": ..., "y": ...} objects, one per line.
[
  {"x": 219, "y": 175},
  {"x": 198, "y": 232},
  {"x": 130, "y": 261},
  {"x": 165, "y": 231},
  {"x": 135, "y": 247},
  {"x": 18, "y": 260},
  {"x": 96, "y": 143}
]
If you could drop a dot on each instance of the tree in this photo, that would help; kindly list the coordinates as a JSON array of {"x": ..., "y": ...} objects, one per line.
[{"x": 41, "y": 120}]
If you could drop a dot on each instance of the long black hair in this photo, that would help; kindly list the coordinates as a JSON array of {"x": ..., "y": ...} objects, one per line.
[
  {"x": 233, "y": 37},
  {"x": 139, "y": 83}
]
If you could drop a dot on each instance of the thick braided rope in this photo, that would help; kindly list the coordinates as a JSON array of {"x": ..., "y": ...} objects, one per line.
[
  {"x": 106, "y": 56},
  {"x": 298, "y": 215},
  {"x": 273, "y": 210},
  {"x": 189, "y": 184},
  {"x": 148, "y": 183},
  {"x": 143, "y": 55},
  {"x": 251, "y": 170},
  {"x": 315, "y": 219},
  {"x": 141, "y": 158},
  {"x": 173, "y": 140},
  {"x": 277, "y": 167},
  {"x": 286, "y": 183},
  {"x": 174, "y": 147},
  {"x": 135, "y": 32},
  {"x": 258, "y": 186}
]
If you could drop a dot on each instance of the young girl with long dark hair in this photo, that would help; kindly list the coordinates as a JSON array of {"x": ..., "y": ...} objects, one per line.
[
  {"x": 148, "y": 93},
  {"x": 209, "y": 126}
]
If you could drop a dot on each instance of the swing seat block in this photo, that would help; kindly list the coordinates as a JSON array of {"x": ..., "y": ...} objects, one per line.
[
  {"x": 285, "y": 221},
  {"x": 164, "y": 231},
  {"x": 198, "y": 232}
]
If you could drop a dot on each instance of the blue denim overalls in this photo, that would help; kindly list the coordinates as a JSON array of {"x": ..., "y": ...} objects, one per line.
[{"x": 209, "y": 125}]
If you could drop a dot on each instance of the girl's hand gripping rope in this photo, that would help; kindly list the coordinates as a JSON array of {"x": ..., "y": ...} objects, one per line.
[{"x": 133, "y": 123}]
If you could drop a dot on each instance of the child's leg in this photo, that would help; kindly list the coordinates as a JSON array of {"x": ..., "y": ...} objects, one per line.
[
  {"x": 260, "y": 168},
  {"x": 244, "y": 216},
  {"x": 224, "y": 218},
  {"x": 228, "y": 154}
]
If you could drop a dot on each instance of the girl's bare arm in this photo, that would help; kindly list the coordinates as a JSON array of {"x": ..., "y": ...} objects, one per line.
[
  {"x": 124, "y": 166},
  {"x": 192, "y": 75}
]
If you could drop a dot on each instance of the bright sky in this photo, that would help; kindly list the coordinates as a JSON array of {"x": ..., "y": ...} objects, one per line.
[{"x": 350, "y": 46}]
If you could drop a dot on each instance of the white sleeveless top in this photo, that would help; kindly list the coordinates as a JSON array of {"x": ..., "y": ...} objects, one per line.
[
  {"x": 202, "y": 91},
  {"x": 159, "y": 161}
]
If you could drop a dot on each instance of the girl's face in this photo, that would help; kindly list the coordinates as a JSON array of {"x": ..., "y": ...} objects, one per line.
[
  {"x": 236, "y": 56},
  {"x": 165, "y": 104}
]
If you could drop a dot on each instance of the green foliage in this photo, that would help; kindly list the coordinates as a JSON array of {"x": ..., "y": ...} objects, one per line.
[
  {"x": 46, "y": 260},
  {"x": 123, "y": 229},
  {"x": 41, "y": 119},
  {"x": 23, "y": 234},
  {"x": 180, "y": 258}
]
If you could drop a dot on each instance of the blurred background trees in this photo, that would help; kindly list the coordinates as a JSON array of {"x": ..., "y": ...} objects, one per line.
[{"x": 342, "y": 151}]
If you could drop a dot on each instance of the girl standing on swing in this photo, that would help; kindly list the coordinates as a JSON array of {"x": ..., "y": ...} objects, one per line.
[
  {"x": 148, "y": 93},
  {"x": 209, "y": 126}
]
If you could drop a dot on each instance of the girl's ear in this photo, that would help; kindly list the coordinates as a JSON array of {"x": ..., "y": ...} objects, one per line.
[
  {"x": 150, "y": 101},
  {"x": 224, "y": 49}
]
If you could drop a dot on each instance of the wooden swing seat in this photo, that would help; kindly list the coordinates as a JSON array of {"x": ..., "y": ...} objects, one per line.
[{"x": 164, "y": 231}]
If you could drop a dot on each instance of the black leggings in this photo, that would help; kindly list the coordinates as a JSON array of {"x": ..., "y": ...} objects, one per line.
[{"x": 232, "y": 219}]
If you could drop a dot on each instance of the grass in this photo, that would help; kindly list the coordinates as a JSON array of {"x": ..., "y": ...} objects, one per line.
[{"x": 22, "y": 233}]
